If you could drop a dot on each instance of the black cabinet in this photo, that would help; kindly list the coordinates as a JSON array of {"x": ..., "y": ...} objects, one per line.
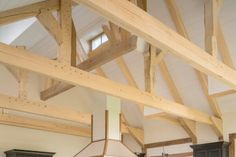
[
  {"x": 217, "y": 149},
  {"x": 27, "y": 153}
]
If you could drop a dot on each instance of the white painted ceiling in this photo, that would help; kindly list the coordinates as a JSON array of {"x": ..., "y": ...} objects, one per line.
[{"x": 88, "y": 24}]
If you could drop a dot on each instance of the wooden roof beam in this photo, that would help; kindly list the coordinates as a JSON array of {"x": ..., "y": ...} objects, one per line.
[
  {"x": 138, "y": 22},
  {"x": 182, "y": 30},
  {"x": 150, "y": 69},
  {"x": 223, "y": 47},
  {"x": 168, "y": 143},
  {"x": 23, "y": 80},
  {"x": 15, "y": 72},
  {"x": 224, "y": 93},
  {"x": 107, "y": 52},
  {"x": 211, "y": 13},
  {"x": 175, "y": 14},
  {"x": 65, "y": 48},
  {"x": 32, "y": 62},
  {"x": 46, "y": 110},
  {"x": 51, "y": 24},
  {"x": 211, "y": 17},
  {"x": 32, "y": 123},
  {"x": 53, "y": 111},
  {"x": 101, "y": 55},
  {"x": 28, "y": 11}
]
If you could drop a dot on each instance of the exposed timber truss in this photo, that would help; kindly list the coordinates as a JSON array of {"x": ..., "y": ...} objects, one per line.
[{"x": 122, "y": 33}]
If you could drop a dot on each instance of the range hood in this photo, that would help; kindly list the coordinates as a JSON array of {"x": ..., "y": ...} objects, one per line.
[{"x": 106, "y": 132}]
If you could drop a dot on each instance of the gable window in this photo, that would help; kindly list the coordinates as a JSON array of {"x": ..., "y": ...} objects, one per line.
[{"x": 98, "y": 40}]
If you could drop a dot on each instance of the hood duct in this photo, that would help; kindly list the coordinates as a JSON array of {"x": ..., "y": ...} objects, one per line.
[{"x": 106, "y": 132}]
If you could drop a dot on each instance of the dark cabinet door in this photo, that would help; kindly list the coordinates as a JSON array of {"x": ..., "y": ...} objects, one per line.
[
  {"x": 214, "y": 153},
  {"x": 200, "y": 153},
  {"x": 217, "y": 149}
]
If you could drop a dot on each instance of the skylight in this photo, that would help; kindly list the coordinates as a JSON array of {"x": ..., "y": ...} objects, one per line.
[{"x": 98, "y": 40}]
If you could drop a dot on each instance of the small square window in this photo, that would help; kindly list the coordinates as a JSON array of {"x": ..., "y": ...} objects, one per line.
[{"x": 98, "y": 40}]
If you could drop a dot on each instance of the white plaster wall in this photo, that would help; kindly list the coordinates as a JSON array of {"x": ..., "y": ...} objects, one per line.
[
  {"x": 162, "y": 131},
  {"x": 229, "y": 123},
  {"x": 21, "y": 138}
]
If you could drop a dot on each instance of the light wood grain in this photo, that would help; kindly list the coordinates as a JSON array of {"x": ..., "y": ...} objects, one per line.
[
  {"x": 28, "y": 11},
  {"x": 32, "y": 123},
  {"x": 138, "y": 22},
  {"x": 29, "y": 61}
]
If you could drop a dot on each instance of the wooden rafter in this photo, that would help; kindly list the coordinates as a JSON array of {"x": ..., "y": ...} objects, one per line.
[
  {"x": 69, "y": 41},
  {"x": 224, "y": 93},
  {"x": 107, "y": 52},
  {"x": 122, "y": 13},
  {"x": 32, "y": 123},
  {"x": 74, "y": 53},
  {"x": 27, "y": 11},
  {"x": 47, "y": 110},
  {"x": 53, "y": 111},
  {"x": 17, "y": 73},
  {"x": 23, "y": 84},
  {"x": 23, "y": 80},
  {"x": 65, "y": 49},
  {"x": 211, "y": 13},
  {"x": 51, "y": 24},
  {"x": 114, "y": 34},
  {"x": 223, "y": 47},
  {"x": 103, "y": 54},
  {"x": 216, "y": 29},
  {"x": 211, "y": 19},
  {"x": 63, "y": 31},
  {"x": 225, "y": 53},
  {"x": 181, "y": 29},
  {"x": 168, "y": 143},
  {"x": 29, "y": 61},
  {"x": 150, "y": 69},
  {"x": 174, "y": 12}
]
